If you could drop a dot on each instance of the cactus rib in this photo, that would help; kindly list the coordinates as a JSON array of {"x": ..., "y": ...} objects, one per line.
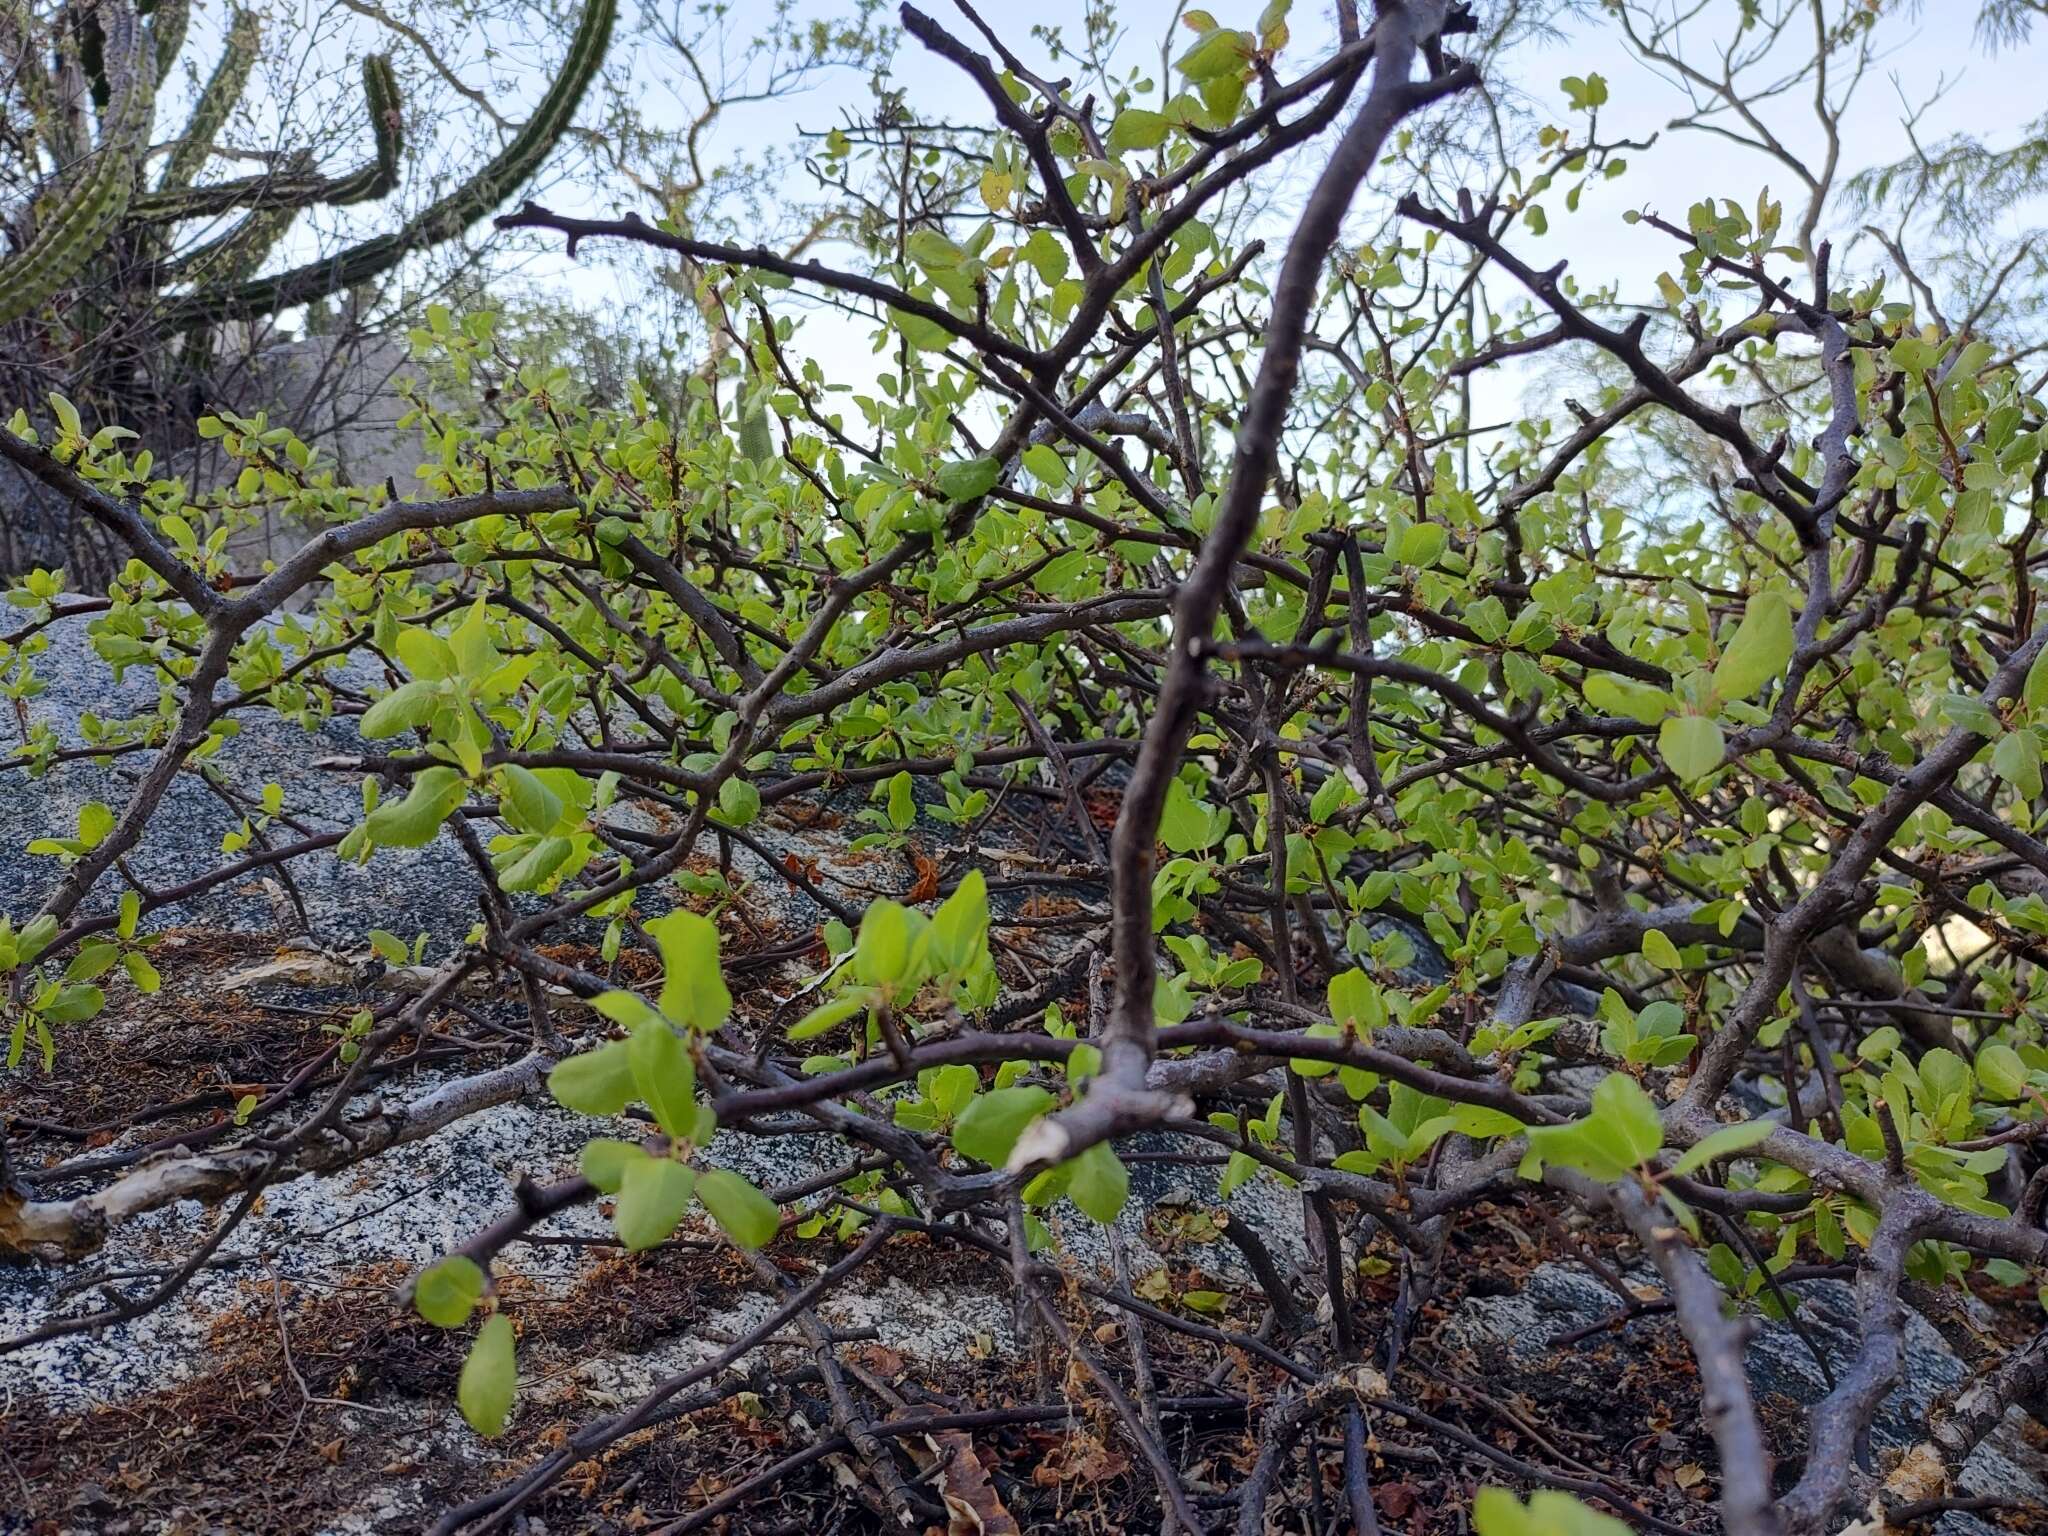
[
  {"x": 168, "y": 20},
  {"x": 387, "y": 127},
  {"x": 66, "y": 132},
  {"x": 217, "y": 99}
]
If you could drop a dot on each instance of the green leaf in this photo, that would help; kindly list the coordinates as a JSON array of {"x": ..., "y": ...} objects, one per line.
[
  {"x": 2001, "y": 1071},
  {"x": 1670, "y": 1052},
  {"x": 748, "y": 1217},
  {"x": 1421, "y": 544},
  {"x": 1185, "y": 823},
  {"x": 1215, "y": 54},
  {"x": 1497, "y": 1512},
  {"x": 1759, "y": 650},
  {"x": 605, "y": 1160},
  {"x": 1241, "y": 1169},
  {"x": 933, "y": 251},
  {"x": 533, "y": 806},
  {"x": 1660, "y": 951},
  {"x": 1136, "y": 128},
  {"x": 653, "y": 1194},
  {"x": 446, "y": 1293},
  {"x": 405, "y": 707},
  {"x": 490, "y": 1376},
  {"x": 902, "y": 803},
  {"x": 1725, "y": 1142},
  {"x": 531, "y": 870},
  {"x": 1914, "y": 354},
  {"x": 739, "y": 803},
  {"x": 141, "y": 972},
  {"x": 1621, "y": 1134},
  {"x": 92, "y": 962},
  {"x": 1100, "y": 1183},
  {"x": 1589, "y": 92},
  {"x": 2017, "y": 760},
  {"x": 664, "y": 1076},
  {"x": 960, "y": 925},
  {"x": 1633, "y": 701},
  {"x": 920, "y": 332},
  {"x": 1045, "y": 463},
  {"x": 627, "y": 1008},
  {"x": 1972, "y": 714},
  {"x": 1691, "y": 745},
  {"x": 95, "y": 821},
  {"x": 598, "y": 1082},
  {"x": 827, "y": 1016},
  {"x": 475, "y": 656},
  {"x": 952, "y": 1088},
  {"x": 886, "y": 954},
  {"x": 989, "y": 1127},
  {"x": 2035, "y": 690},
  {"x": 73, "y": 1004},
  {"x": 693, "y": 990},
  {"x": 1047, "y": 256},
  {"x": 1356, "y": 1001},
  {"x": 1944, "y": 1076},
  {"x": 416, "y": 820},
  {"x": 965, "y": 479},
  {"x": 1312, "y": 1066},
  {"x": 426, "y": 655},
  {"x": 1480, "y": 1122}
]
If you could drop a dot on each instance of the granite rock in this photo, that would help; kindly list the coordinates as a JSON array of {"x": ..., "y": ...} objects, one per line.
[{"x": 1514, "y": 1336}]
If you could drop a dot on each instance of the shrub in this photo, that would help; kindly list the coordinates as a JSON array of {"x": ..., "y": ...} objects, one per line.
[{"x": 1725, "y": 776}]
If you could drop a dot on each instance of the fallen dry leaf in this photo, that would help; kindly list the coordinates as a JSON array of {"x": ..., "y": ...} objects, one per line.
[
  {"x": 883, "y": 1361},
  {"x": 1079, "y": 1458},
  {"x": 1394, "y": 1499},
  {"x": 973, "y": 1507}
]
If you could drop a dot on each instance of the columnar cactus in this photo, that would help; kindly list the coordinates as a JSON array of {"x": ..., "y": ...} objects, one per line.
[
  {"x": 216, "y": 100},
  {"x": 76, "y": 221},
  {"x": 95, "y": 232},
  {"x": 444, "y": 220},
  {"x": 293, "y": 186}
]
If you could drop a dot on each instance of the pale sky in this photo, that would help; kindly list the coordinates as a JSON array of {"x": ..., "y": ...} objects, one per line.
[
  {"x": 1923, "y": 51},
  {"x": 1989, "y": 94}
]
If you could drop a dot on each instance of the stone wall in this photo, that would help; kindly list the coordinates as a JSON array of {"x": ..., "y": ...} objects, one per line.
[{"x": 340, "y": 392}]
